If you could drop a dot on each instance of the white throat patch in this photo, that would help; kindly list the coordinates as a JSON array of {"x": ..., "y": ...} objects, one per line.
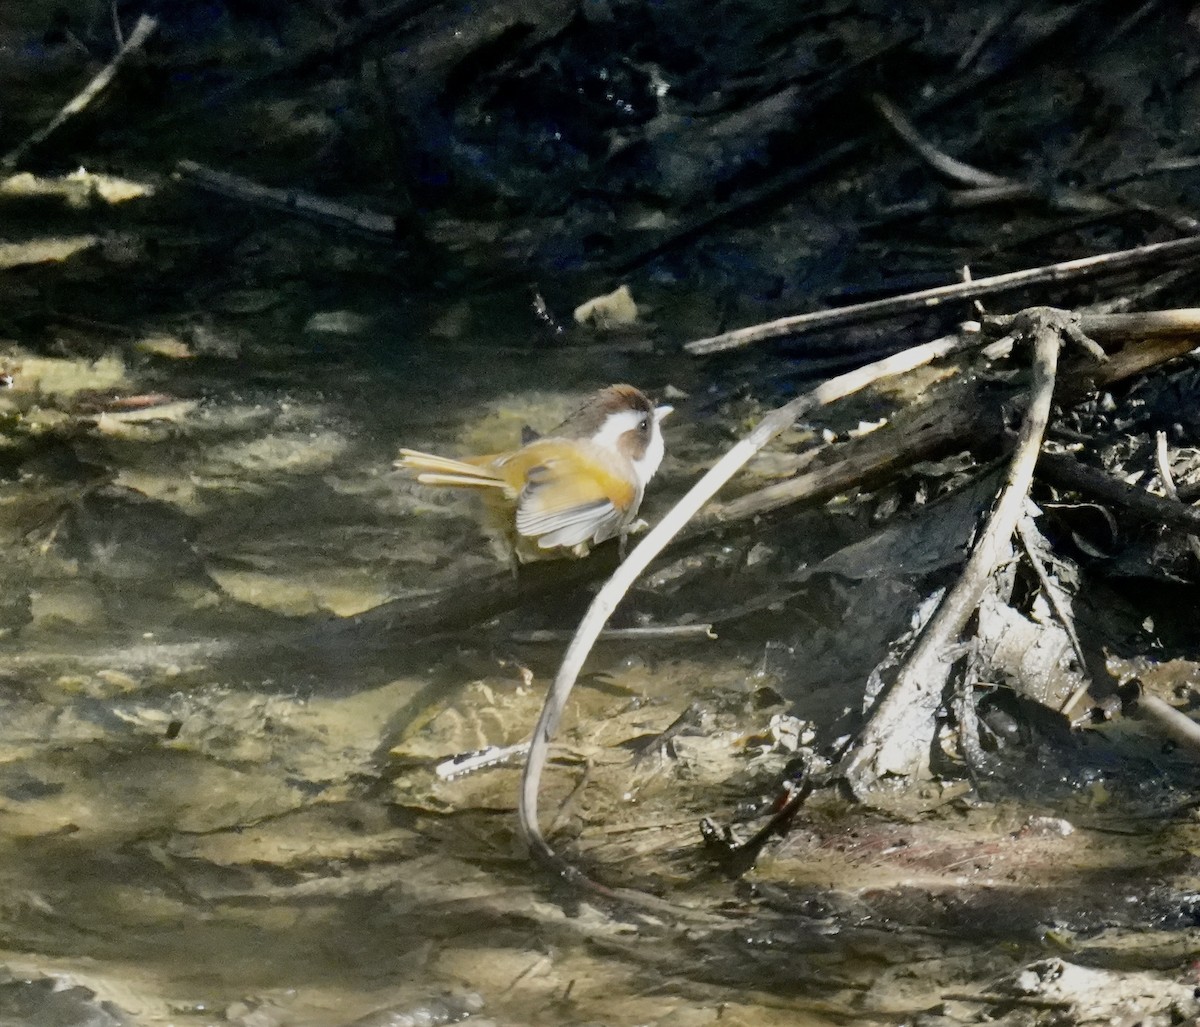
[{"x": 650, "y": 460}]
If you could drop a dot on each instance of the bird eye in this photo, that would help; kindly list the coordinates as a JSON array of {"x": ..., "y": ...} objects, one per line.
[{"x": 644, "y": 424}]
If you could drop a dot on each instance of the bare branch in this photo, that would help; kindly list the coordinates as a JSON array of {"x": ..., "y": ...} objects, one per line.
[
  {"x": 1027, "y": 532},
  {"x": 142, "y": 31},
  {"x": 925, "y": 299},
  {"x": 1162, "y": 463}
]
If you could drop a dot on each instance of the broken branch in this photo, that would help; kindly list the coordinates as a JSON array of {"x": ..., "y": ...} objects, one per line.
[{"x": 1173, "y": 723}]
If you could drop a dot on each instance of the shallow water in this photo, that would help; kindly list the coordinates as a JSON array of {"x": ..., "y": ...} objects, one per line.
[
  {"x": 218, "y": 802},
  {"x": 221, "y": 729}
]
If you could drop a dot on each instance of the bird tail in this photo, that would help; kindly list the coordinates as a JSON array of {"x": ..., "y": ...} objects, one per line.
[{"x": 441, "y": 470}]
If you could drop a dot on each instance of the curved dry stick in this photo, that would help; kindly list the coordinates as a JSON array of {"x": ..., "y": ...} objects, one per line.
[
  {"x": 614, "y": 589},
  {"x": 137, "y": 38},
  {"x": 942, "y": 162},
  {"x": 985, "y": 188},
  {"x": 902, "y": 722}
]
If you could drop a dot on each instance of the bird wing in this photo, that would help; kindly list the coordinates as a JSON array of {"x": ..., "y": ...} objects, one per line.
[{"x": 572, "y": 493}]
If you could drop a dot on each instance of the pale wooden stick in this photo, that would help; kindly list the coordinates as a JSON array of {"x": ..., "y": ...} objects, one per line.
[
  {"x": 1162, "y": 464},
  {"x": 927, "y": 298},
  {"x": 137, "y": 38},
  {"x": 1175, "y": 724},
  {"x": 652, "y": 544}
]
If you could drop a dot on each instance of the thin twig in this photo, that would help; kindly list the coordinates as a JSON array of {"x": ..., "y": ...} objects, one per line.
[
  {"x": 141, "y": 32},
  {"x": 902, "y": 722},
  {"x": 1176, "y": 219},
  {"x": 984, "y": 36},
  {"x": 650, "y": 632},
  {"x": 737, "y": 859},
  {"x": 606, "y": 600},
  {"x": 924, "y": 299},
  {"x": 1053, "y": 592},
  {"x": 1065, "y": 200},
  {"x": 1130, "y": 22},
  {"x": 567, "y": 806},
  {"x": 1138, "y": 295},
  {"x": 292, "y": 201}
]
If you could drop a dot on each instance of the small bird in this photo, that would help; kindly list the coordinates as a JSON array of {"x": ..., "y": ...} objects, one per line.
[{"x": 578, "y": 486}]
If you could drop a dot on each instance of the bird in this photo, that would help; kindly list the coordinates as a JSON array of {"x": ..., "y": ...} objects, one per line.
[{"x": 561, "y": 493}]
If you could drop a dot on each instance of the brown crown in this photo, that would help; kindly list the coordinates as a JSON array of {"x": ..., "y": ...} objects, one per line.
[{"x": 587, "y": 420}]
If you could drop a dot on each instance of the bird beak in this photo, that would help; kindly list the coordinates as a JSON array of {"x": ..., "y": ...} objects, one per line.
[{"x": 661, "y": 412}]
